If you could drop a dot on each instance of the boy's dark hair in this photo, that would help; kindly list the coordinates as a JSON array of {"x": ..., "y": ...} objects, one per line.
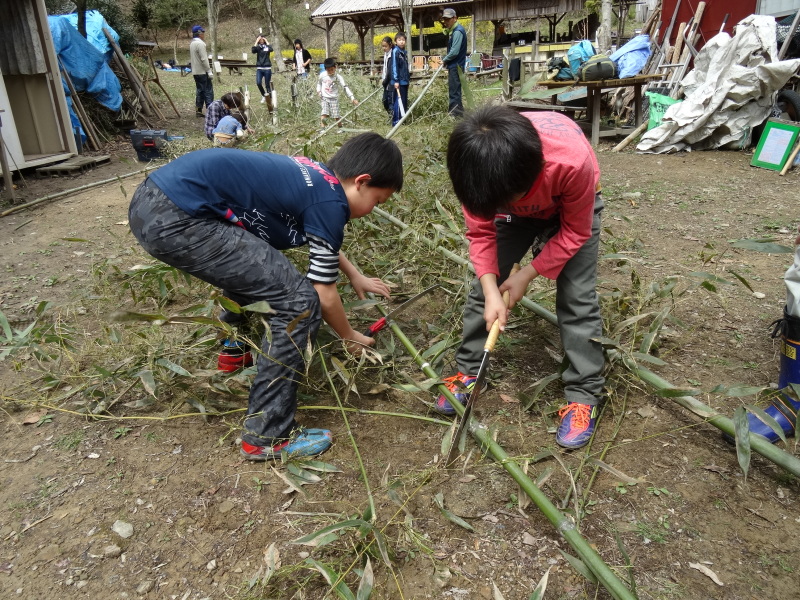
[
  {"x": 400, "y": 34},
  {"x": 372, "y": 154},
  {"x": 329, "y": 62},
  {"x": 233, "y": 100},
  {"x": 494, "y": 154}
]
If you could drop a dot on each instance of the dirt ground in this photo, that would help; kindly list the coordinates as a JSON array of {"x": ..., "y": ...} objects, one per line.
[{"x": 201, "y": 520}]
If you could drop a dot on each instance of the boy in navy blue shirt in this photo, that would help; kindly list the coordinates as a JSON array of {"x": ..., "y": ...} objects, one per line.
[{"x": 224, "y": 216}]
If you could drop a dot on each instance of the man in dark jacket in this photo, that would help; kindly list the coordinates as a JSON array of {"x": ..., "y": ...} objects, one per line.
[
  {"x": 454, "y": 59},
  {"x": 262, "y": 50}
]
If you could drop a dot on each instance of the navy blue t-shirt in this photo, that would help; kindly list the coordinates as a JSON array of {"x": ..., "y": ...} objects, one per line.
[{"x": 286, "y": 201}]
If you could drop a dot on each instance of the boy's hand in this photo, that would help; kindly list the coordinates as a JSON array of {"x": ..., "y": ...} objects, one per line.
[
  {"x": 517, "y": 284},
  {"x": 355, "y": 102},
  {"x": 495, "y": 310},
  {"x": 356, "y": 341},
  {"x": 363, "y": 284}
]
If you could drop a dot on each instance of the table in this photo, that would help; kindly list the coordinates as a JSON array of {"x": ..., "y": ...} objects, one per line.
[{"x": 594, "y": 90}]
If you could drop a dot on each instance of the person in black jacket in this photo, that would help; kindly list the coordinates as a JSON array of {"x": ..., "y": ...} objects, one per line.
[
  {"x": 302, "y": 59},
  {"x": 262, "y": 50},
  {"x": 399, "y": 77}
]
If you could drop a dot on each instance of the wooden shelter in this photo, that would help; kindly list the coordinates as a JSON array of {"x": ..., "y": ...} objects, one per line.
[{"x": 36, "y": 128}]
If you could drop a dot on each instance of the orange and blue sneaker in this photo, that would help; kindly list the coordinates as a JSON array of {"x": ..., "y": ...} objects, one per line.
[
  {"x": 577, "y": 424},
  {"x": 461, "y": 387},
  {"x": 302, "y": 442}
]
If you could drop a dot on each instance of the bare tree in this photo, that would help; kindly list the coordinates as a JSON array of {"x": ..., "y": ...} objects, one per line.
[
  {"x": 212, "y": 12},
  {"x": 274, "y": 36},
  {"x": 407, "y": 11}
]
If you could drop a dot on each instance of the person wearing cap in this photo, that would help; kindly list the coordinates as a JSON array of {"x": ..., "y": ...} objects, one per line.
[
  {"x": 328, "y": 86},
  {"x": 201, "y": 70},
  {"x": 454, "y": 59}
]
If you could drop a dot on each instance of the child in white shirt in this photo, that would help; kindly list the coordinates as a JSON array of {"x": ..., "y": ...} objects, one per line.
[{"x": 328, "y": 86}]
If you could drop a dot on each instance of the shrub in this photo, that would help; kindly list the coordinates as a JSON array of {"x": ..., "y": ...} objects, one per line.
[{"x": 348, "y": 52}]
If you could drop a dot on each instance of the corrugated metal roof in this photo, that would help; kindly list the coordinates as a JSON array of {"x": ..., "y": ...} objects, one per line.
[{"x": 338, "y": 8}]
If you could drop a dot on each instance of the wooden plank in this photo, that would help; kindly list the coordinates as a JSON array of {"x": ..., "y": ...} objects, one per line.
[{"x": 73, "y": 165}]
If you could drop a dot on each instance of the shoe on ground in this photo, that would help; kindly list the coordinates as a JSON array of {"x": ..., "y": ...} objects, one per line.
[
  {"x": 199, "y": 113},
  {"x": 303, "y": 442},
  {"x": 233, "y": 356},
  {"x": 461, "y": 387},
  {"x": 263, "y": 99},
  {"x": 578, "y": 422}
]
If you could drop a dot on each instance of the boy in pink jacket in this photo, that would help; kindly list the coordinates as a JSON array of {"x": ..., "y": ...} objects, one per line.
[{"x": 530, "y": 181}]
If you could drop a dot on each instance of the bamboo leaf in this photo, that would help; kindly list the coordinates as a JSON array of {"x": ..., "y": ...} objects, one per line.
[
  {"x": 770, "y": 421},
  {"x": 367, "y": 582},
  {"x": 677, "y": 392},
  {"x": 318, "y": 465},
  {"x": 628, "y": 322},
  {"x": 291, "y": 481},
  {"x": 762, "y": 245},
  {"x": 742, "y": 430},
  {"x": 709, "y": 277},
  {"x": 6, "y": 327},
  {"x": 272, "y": 559},
  {"x": 742, "y": 280},
  {"x": 541, "y": 587},
  {"x": 439, "y": 500},
  {"x": 447, "y": 438},
  {"x": 334, "y": 580},
  {"x": 303, "y": 474},
  {"x": 293, "y": 323},
  {"x": 383, "y": 547},
  {"x": 579, "y": 566},
  {"x": 496, "y": 594},
  {"x": 311, "y": 538},
  {"x": 179, "y": 370},
  {"x": 607, "y": 342},
  {"x": 148, "y": 381},
  {"x": 648, "y": 358},
  {"x": 229, "y": 305},
  {"x": 737, "y": 391},
  {"x": 709, "y": 286},
  {"x": 537, "y": 389},
  {"x": 406, "y": 387},
  {"x": 652, "y": 332},
  {"x": 200, "y": 320},
  {"x": 126, "y": 316},
  {"x": 628, "y": 563},
  {"x": 615, "y": 472}
]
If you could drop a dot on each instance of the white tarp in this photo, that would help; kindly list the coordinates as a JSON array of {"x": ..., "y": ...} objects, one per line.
[{"x": 730, "y": 91}]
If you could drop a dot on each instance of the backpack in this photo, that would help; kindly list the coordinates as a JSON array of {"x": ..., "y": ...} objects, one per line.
[
  {"x": 597, "y": 68},
  {"x": 578, "y": 54},
  {"x": 564, "y": 72}
]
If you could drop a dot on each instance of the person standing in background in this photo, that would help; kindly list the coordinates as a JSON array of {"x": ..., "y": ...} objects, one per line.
[
  {"x": 302, "y": 59},
  {"x": 400, "y": 78},
  {"x": 201, "y": 70},
  {"x": 387, "y": 45},
  {"x": 262, "y": 50},
  {"x": 454, "y": 59}
]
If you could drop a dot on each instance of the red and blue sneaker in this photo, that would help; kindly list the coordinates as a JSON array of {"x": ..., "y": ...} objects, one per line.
[
  {"x": 577, "y": 424},
  {"x": 303, "y": 442},
  {"x": 461, "y": 387},
  {"x": 233, "y": 356}
]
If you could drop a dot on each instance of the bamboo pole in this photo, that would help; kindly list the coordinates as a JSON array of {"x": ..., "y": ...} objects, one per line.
[
  {"x": 563, "y": 524},
  {"x": 414, "y": 104},
  {"x": 127, "y": 70},
  {"x": 793, "y": 155},
  {"x": 631, "y": 136},
  {"x": 82, "y": 188},
  {"x": 88, "y": 127},
  {"x": 760, "y": 446}
]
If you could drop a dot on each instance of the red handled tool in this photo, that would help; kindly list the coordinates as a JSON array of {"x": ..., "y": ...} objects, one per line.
[{"x": 384, "y": 321}]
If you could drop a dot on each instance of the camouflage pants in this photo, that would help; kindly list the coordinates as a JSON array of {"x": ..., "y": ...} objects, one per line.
[{"x": 248, "y": 270}]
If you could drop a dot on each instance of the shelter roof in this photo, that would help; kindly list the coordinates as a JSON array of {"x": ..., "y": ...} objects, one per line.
[{"x": 386, "y": 11}]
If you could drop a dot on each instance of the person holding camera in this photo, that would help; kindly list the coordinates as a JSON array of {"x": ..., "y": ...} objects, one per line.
[{"x": 262, "y": 50}]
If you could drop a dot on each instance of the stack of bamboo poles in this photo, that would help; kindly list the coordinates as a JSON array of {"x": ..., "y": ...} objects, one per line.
[{"x": 671, "y": 61}]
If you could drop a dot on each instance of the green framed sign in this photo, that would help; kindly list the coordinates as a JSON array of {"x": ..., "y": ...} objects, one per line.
[{"x": 776, "y": 144}]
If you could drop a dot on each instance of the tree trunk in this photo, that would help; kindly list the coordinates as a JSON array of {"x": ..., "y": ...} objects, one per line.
[
  {"x": 175, "y": 44},
  {"x": 212, "y": 11},
  {"x": 275, "y": 38},
  {"x": 80, "y": 8},
  {"x": 604, "y": 31}
]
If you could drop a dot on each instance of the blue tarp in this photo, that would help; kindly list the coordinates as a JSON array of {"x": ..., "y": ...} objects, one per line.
[
  {"x": 631, "y": 58},
  {"x": 86, "y": 65},
  {"x": 95, "y": 22}
]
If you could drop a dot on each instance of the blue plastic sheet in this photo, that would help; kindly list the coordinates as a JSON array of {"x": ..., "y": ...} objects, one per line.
[
  {"x": 86, "y": 65},
  {"x": 95, "y": 22},
  {"x": 631, "y": 58}
]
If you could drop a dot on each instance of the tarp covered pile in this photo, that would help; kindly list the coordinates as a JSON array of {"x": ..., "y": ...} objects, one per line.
[
  {"x": 86, "y": 62},
  {"x": 730, "y": 91}
]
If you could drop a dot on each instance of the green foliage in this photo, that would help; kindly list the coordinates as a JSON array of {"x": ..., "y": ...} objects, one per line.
[
  {"x": 142, "y": 12},
  {"x": 178, "y": 14}
]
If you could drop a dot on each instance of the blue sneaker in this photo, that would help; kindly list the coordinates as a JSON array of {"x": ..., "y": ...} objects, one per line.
[
  {"x": 303, "y": 442},
  {"x": 783, "y": 410},
  {"x": 461, "y": 386},
  {"x": 577, "y": 425}
]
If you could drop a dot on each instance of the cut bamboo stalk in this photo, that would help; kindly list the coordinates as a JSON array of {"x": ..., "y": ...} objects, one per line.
[
  {"x": 563, "y": 524},
  {"x": 631, "y": 136},
  {"x": 87, "y": 125},
  {"x": 759, "y": 445},
  {"x": 127, "y": 71},
  {"x": 676, "y": 51}
]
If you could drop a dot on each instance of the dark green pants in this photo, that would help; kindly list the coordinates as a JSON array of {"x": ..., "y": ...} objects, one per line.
[{"x": 577, "y": 305}]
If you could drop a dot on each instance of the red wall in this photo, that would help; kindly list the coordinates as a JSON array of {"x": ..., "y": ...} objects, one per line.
[{"x": 713, "y": 15}]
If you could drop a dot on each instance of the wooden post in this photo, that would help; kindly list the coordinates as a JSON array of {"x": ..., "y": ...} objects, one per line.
[{"x": 8, "y": 177}]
